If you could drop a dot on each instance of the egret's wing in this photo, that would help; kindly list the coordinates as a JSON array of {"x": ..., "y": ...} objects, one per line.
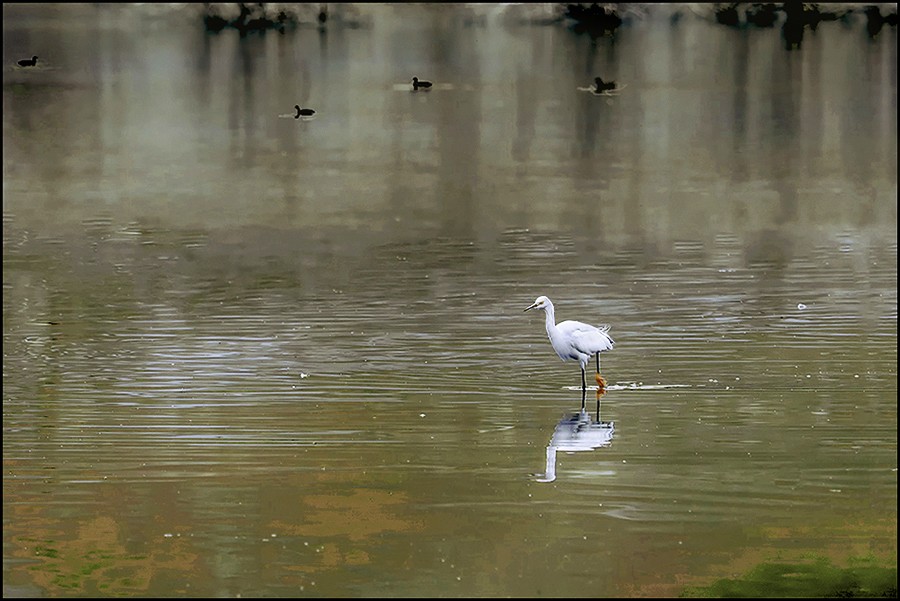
[
  {"x": 587, "y": 338},
  {"x": 571, "y": 328},
  {"x": 593, "y": 341}
]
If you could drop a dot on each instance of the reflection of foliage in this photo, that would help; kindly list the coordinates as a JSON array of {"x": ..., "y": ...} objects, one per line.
[
  {"x": 817, "y": 579},
  {"x": 593, "y": 18},
  {"x": 247, "y": 17},
  {"x": 259, "y": 16},
  {"x": 96, "y": 561},
  {"x": 75, "y": 572}
]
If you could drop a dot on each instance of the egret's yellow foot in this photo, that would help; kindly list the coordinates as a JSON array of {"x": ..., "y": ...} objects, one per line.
[{"x": 601, "y": 382}]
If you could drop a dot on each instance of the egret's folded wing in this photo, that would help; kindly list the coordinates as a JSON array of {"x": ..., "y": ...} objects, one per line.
[{"x": 591, "y": 340}]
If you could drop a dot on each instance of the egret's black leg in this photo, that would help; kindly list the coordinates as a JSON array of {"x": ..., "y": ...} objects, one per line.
[
  {"x": 598, "y": 362},
  {"x": 583, "y": 389}
]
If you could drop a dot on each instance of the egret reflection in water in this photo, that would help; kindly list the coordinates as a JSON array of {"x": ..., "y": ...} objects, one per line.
[{"x": 576, "y": 432}]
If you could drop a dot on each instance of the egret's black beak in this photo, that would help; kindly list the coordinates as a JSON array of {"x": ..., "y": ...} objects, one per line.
[{"x": 530, "y": 308}]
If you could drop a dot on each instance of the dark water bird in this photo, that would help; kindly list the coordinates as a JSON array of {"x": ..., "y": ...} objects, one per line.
[
  {"x": 574, "y": 340},
  {"x": 603, "y": 86},
  {"x": 303, "y": 112},
  {"x": 420, "y": 84},
  {"x": 28, "y": 62}
]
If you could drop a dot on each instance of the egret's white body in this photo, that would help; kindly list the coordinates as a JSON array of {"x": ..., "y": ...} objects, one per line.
[{"x": 574, "y": 340}]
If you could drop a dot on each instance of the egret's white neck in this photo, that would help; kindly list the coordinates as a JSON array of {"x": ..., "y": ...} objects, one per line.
[{"x": 549, "y": 318}]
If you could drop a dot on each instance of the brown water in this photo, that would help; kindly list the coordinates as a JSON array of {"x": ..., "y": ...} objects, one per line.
[{"x": 250, "y": 355}]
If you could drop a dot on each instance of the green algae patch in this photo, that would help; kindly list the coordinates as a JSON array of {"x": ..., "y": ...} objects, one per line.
[{"x": 819, "y": 578}]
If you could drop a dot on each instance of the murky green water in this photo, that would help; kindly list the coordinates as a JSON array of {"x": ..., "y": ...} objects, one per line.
[{"x": 250, "y": 355}]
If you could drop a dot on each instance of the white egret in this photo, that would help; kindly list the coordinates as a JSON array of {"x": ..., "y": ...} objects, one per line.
[{"x": 576, "y": 341}]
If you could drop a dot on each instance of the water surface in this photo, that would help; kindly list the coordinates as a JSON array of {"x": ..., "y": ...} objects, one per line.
[{"x": 251, "y": 355}]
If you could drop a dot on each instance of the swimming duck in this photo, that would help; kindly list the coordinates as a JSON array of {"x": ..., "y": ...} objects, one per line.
[
  {"x": 604, "y": 86},
  {"x": 420, "y": 84},
  {"x": 28, "y": 62},
  {"x": 303, "y": 112}
]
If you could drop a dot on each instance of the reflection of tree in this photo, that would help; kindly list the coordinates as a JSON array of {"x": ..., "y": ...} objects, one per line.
[{"x": 593, "y": 19}]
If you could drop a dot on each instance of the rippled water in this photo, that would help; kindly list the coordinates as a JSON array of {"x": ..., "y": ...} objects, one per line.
[{"x": 251, "y": 355}]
